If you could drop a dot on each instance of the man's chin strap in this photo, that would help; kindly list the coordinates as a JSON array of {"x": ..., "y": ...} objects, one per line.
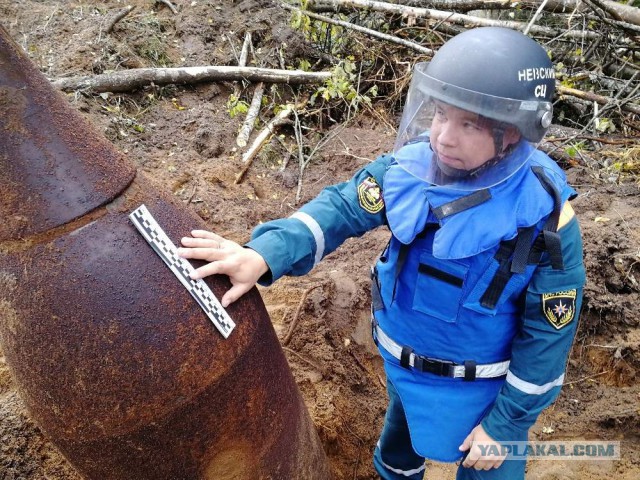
[{"x": 498, "y": 140}]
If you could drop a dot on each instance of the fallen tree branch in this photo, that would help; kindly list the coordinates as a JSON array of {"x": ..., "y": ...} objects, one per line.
[
  {"x": 127, "y": 80},
  {"x": 459, "y": 5},
  {"x": 451, "y": 17},
  {"x": 580, "y": 380},
  {"x": 252, "y": 113},
  {"x": 170, "y": 5},
  {"x": 242, "y": 61},
  {"x": 243, "y": 135},
  {"x": 609, "y": 17},
  {"x": 625, "y": 13},
  {"x": 296, "y": 317},
  {"x": 244, "y": 53},
  {"x": 358, "y": 28},
  {"x": 535, "y": 17},
  {"x": 593, "y": 97},
  {"x": 608, "y": 141},
  {"x": 117, "y": 17},
  {"x": 256, "y": 101},
  {"x": 280, "y": 119},
  {"x": 320, "y": 369}
]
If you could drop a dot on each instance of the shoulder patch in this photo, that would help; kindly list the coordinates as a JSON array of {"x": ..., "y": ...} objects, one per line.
[
  {"x": 559, "y": 308},
  {"x": 370, "y": 195}
]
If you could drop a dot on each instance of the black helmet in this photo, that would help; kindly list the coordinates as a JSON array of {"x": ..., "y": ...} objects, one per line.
[
  {"x": 482, "y": 69},
  {"x": 496, "y": 73}
]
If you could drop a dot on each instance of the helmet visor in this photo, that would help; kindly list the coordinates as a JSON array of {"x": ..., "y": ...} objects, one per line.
[{"x": 454, "y": 137}]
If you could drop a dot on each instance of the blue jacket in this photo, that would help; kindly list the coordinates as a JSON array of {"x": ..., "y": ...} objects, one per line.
[{"x": 453, "y": 320}]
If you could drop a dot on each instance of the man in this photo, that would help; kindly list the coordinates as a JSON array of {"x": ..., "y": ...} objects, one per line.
[{"x": 475, "y": 299}]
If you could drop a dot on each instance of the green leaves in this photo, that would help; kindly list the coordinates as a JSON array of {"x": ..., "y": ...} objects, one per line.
[
  {"x": 574, "y": 149},
  {"x": 341, "y": 85},
  {"x": 235, "y": 106}
]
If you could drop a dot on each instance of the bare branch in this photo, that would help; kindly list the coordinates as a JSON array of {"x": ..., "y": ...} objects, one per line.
[
  {"x": 127, "y": 80},
  {"x": 624, "y": 13},
  {"x": 596, "y": 98},
  {"x": 117, "y": 17},
  {"x": 242, "y": 62},
  {"x": 535, "y": 17},
  {"x": 306, "y": 360},
  {"x": 252, "y": 113},
  {"x": 458, "y": 5},
  {"x": 367, "y": 31},
  {"x": 280, "y": 119},
  {"x": 296, "y": 317},
  {"x": 244, "y": 53},
  {"x": 170, "y": 5},
  {"x": 451, "y": 17}
]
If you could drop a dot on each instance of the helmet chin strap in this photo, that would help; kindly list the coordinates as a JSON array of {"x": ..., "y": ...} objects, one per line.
[{"x": 501, "y": 152}]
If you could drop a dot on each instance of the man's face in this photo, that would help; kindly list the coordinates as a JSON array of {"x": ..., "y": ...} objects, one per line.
[{"x": 464, "y": 140}]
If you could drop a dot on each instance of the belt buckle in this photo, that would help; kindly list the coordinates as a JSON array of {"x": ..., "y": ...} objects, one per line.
[
  {"x": 447, "y": 368},
  {"x": 442, "y": 368}
]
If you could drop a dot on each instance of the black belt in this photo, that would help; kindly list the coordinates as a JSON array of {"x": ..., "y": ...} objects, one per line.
[{"x": 468, "y": 370}]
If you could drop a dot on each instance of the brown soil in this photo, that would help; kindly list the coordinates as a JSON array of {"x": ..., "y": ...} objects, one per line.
[{"x": 184, "y": 137}]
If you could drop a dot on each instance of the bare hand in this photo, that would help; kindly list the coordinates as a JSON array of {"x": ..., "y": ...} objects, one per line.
[
  {"x": 484, "y": 451},
  {"x": 243, "y": 265}
]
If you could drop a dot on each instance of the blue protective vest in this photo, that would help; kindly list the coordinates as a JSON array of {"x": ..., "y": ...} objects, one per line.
[{"x": 437, "y": 296}]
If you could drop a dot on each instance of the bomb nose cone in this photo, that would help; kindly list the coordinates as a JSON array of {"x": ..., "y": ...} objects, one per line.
[{"x": 53, "y": 170}]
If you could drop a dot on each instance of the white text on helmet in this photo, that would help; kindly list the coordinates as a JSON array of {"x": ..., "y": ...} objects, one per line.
[
  {"x": 540, "y": 91},
  {"x": 529, "y": 74}
]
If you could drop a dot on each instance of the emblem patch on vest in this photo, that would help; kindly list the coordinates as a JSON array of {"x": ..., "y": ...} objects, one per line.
[
  {"x": 370, "y": 196},
  {"x": 559, "y": 308}
]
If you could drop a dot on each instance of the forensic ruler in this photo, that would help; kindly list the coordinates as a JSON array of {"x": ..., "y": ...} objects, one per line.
[{"x": 164, "y": 247}]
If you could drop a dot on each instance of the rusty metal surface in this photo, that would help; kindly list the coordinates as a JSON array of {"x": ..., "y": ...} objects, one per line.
[
  {"x": 54, "y": 166},
  {"x": 112, "y": 356},
  {"x": 125, "y": 372}
]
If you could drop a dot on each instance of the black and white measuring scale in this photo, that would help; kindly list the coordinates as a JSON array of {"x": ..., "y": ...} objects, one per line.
[{"x": 164, "y": 247}]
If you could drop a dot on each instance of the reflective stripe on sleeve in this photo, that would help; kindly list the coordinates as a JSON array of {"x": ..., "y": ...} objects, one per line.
[
  {"x": 532, "y": 388},
  {"x": 316, "y": 231}
]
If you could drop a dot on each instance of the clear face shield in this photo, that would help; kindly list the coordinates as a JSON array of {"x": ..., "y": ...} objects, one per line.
[{"x": 465, "y": 140}]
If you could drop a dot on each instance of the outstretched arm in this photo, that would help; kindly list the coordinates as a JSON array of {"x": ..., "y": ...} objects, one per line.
[{"x": 292, "y": 246}]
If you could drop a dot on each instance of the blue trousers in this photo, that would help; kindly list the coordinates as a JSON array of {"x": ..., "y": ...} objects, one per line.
[{"x": 394, "y": 458}]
